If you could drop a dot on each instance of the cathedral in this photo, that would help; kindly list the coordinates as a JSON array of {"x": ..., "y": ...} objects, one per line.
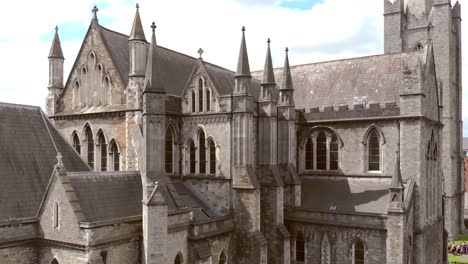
[{"x": 146, "y": 155}]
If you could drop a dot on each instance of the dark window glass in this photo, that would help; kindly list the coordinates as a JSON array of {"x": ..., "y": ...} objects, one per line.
[
  {"x": 321, "y": 151},
  {"x": 202, "y": 152},
  {"x": 300, "y": 248},
  {"x": 169, "y": 150},
  {"x": 212, "y": 149},
  {"x": 178, "y": 259},
  {"x": 76, "y": 143},
  {"x": 309, "y": 154},
  {"x": 192, "y": 156},
  {"x": 200, "y": 95},
  {"x": 334, "y": 153},
  {"x": 374, "y": 151},
  {"x": 359, "y": 252},
  {"x": 103, "y": 146},
  {"x": 115, "y": 156},
  {"x": 54, "y": 262},
  {"x": 435, "y": 152},
  {"x": 208, "y": 98},
  {"x": 193, "y": 102},
  {"x": 90, "y": 140},
  {"x": 222, "y": 258}
]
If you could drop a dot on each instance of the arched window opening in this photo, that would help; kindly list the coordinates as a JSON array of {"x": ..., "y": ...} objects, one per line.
[
  {"x": 358, "y": 252},
  {"x": 193, "y": 102},
  {"x": 56, "y": 215},
  {"x": 321, "y": 151},
  {"x": 208, "y": 100},
  {"x": 374, "y": 151},
  {"x": 178, "y": 259},
  {"x": 76, "y": 143},
  {"x": 212, "y": 150},
  {"x": 54, "y": 261},
  {"x": 103, "y": 148},
  {"x": 222, "y": 258},
  {"x": 300, "y": 247},
  {"x": 105, "y": 92},
  {"x": 435, "y": 152},
  {"x": 76, "y": 95},
  {"x": 115, "y": 155},
  {"x": 169, "y": 150},
  {"x": 191, "y": 147},
  {"x": 418, "y": 46},
  {"x": 309, "y": 154},
  {"x": 202, "y": 152},
  {"x": 90, "y": 141},
  {"x": 200, "y": 95},
  {"x": 334, "y": 153}
]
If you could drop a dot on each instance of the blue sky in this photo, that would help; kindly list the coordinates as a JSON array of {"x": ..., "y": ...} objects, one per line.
[{"x": 314, "y": 30}]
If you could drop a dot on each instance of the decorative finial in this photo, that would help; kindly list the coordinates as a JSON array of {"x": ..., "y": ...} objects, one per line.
[
  {"x": 56, "y": 29},
  {"x": 268, "y": 41},
  {"x": 243, "y": 28},
  {"x": 153, "y": 26},
  {"x": 287, "y": 50},
  {"x": 59, "y": 165},
  {"x": 137, "y": 6},
  {"x": 95, "y": 10},
  {"x": 200, "y": 52}
]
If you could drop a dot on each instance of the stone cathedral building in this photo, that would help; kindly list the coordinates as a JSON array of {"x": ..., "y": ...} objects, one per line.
[{"x": 147, "y": 155}]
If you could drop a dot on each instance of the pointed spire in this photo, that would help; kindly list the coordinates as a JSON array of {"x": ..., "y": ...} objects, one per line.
[
  {"x": 152, "y": 80},
  {"x": 286, "y": 83},
  {"x": 268, "y": 74},
  {"x": 243, "y": 68},
  {"x": 137, "y": 28},
  {"x": 56, "y": 48}
]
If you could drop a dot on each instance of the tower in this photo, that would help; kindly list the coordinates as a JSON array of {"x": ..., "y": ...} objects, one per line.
[
  {"x": 409, "y": 25},
  {"x": 153, "y": 175},
  {"x": 251, "y": 246},
  {"x": 55, "y": 86}
]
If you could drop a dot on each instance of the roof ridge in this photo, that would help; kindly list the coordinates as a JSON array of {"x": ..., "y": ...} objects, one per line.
[
  {"x": 113, "y": 31},
  {"x": 20, "y": 105},
  {"x": 347, "y": 59}
]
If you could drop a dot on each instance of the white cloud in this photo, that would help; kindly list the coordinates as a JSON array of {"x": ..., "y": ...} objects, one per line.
[{"x": 329, "y": 30}]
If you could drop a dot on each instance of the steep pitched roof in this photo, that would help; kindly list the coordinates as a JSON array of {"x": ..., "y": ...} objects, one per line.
[
  {"x": 331, "y": 83},
  {"x": 137, "y": 32},
  {"x": 107, "y": 195},
  {"x": 28, "y": 156},
  {"x": 175, "y": 68}
]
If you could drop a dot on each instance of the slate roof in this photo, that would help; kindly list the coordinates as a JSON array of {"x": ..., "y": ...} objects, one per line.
[
  {"x": 107, "y": 195},
  {"x": 114, "y": 195},
  {"x": 372, "y": 79},
  {"x": 175, "y": 67},
  {"x": 362, "y": 195},
  {"x": 27, "y": 159}
]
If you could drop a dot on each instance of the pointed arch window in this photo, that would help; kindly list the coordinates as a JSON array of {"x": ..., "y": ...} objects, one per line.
[
  {"x": 115, "y": 155},
  {"x": 200, "y": 95},
  {"x": 192, "y": 160},
  {"x": 76, "y": 95},
  {"x": 178, "y": 259},
  {"x": 90, "y": 145},
  {"x": 208, "y": 98},
  {"x": 222, "y": 258},
  {"x": 76, "y": 143},
  {"x": 300, "y": 247},
  {"x": 193, "y": 102},
  {"x": 321, "y": 150},
  {"x": 54, "y": 261},
  {"x": 359, "y": 252},
  {"x": 169, "y": 150},
  {"x": 103, "y": 151},
  {"x": 212, "y": 154},
  {"x": 202, "y": 151},
  {"x": 373, "y": 146}
]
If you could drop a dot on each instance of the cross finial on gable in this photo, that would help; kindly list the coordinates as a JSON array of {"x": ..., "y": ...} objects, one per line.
[
  {"x": 200, "y": 52},
  {"x": 95, "y": 10},
  {"x": 137, "y": 6},
  {"x": 153, "y": 26},
  {"x": 56, "y": 29}
]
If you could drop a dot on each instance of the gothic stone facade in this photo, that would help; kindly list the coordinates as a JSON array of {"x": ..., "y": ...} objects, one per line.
[{"x": 172, "y": 159}]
